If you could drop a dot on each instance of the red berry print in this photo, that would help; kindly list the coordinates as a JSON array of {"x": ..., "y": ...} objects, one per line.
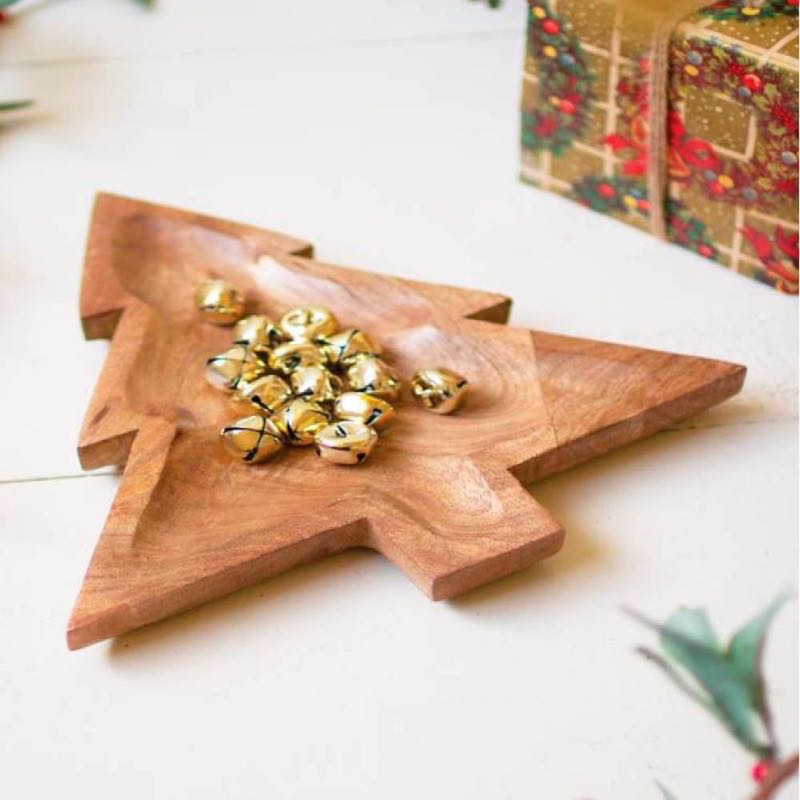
[
  {"x": 752, "y": 82},
  {"x": 551, "y": 26},
  {"x": 705, "y": 250}
]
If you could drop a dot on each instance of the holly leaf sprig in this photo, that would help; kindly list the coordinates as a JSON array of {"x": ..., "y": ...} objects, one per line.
[{"x": 728, "y": 681}]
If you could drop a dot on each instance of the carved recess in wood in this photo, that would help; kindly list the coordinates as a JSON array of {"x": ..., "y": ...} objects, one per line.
[{"x": 442, "y": 497}]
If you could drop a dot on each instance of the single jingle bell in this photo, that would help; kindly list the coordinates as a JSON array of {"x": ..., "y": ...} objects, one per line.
[
  {"x": 286, "y": 358},
  {"x": 316, "y": 384},
  {"x": 439, "y": 389},
  {"x": 343, "y": 347},
  {"x": 345, "y": 442},
  {"x": 220, "y": 302},
  {"x": 257, "y": 329},
  {"x": 300, "y": 421},
  {"x": 366, "y": 408},
  {"x": 268, "y": 394},
  {"x": 374, "y": 376},
  {"x": 252, "y": 439},
  {"x": 308, "y": 323},
  {"x": 238, "y": 364}
]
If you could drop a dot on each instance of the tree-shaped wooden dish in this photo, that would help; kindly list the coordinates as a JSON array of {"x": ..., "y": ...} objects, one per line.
[{"x": 443, "y": 497}]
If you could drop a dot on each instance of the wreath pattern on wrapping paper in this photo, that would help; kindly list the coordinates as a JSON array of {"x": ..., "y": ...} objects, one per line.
[
  {"x": 747, "y": 10},
  {"x": 562, "y": 111},
  {"x": 629, "y": 195},
  {"x": 767, "y": 92},
  {"x": 565, "y": 102},
  {"x": 770, "y": 176}
]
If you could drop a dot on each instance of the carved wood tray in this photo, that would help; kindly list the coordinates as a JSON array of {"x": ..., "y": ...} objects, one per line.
[{"x": 443, "y": 498}]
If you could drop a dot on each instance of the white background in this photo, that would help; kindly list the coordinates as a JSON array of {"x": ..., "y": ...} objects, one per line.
[{"x": 386, "y": 133}]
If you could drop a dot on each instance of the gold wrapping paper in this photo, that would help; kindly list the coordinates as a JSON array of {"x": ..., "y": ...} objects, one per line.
[{"x": 731, "y": 123}]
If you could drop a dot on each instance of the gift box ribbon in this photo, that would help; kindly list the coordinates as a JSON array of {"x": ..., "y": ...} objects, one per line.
[{"x": 658, "y": 19}]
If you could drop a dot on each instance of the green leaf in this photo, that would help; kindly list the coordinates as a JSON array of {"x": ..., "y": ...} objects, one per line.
[
  {"x": 746, "y": 648},
  {"x": 689, "y": 641},
  {"x": 710, "y": 667},
  {"x": 666, "y": 792},
  {"x": 693, "y": 623},
  {"x": 7, "y": 3},
  {"x": 13, "y": 105},
  {"x": 678, "y": 679}
]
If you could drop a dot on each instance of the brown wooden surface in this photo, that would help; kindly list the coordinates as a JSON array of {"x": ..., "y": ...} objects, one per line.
[{"x": 442, "y": 497}]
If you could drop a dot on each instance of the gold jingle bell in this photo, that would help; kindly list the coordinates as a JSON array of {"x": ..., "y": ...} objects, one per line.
[
  {"x": 300, "y": 421},
  {"x": 439, "y": 389},
  {"x": 308, "y": 323},
  {"x": 257, "y": 329},
  {"x": 316, "y": 384},
  {"x": 348, "y": 442},
  {"x": 220, "y": 302},
  {"x": 252, "y": 439},
  {"x": 286, "y": 358},
  {"x": 365, "y": 408},
  {"x": 238, "y": 364},
  {"x": 374, "y": 376},
  {"x": 343, "y": 347},
  {"x": 268, "y": 394}
]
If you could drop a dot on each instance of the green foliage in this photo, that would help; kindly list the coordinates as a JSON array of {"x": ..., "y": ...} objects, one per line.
[
  {"x": 666, "y": 792},
  {"x": 742, "y": 10},
  {"x": 726, "y": 681},
  {"x": 13, "y": 105}
]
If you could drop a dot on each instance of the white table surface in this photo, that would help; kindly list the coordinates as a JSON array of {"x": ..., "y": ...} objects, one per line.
[{"x": 386, "y": 133}]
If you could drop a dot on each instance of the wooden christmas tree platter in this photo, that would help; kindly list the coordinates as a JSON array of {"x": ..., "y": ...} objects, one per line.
[{"x": 443, "y": 498}]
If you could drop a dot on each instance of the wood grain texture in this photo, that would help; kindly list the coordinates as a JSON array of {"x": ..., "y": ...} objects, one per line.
[{"x": 441, "y": 497}]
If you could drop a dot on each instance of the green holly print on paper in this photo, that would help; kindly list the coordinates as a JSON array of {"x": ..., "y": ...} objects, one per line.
[
  {"x": 750, "y": 10},
  {"x": 625, "y": 195},
  {"x": 561, "y": 112}
]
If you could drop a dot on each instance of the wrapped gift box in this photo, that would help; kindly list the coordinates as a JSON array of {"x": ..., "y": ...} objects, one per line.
[{"x": 731, "y": 147}]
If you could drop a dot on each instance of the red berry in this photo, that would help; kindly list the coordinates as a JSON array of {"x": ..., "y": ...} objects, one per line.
[
  {"x": 551, "y": 26},
  {"x": 705, "y": 250},
  {"x": 605, "y": 190},
  {"x": 751, "y": 81},
  {"x": 791, "y": 3},
  {"x": 643, "y": 205},
  {"x": 4, "y": 17},
  {"x": 716, "y": 187},
  {"x": 759, "y": 771},
  {"x": 567, "y": 106}
]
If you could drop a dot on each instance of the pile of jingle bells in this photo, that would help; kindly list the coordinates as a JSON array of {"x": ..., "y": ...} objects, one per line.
[{"x": 303, "y": 381}]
